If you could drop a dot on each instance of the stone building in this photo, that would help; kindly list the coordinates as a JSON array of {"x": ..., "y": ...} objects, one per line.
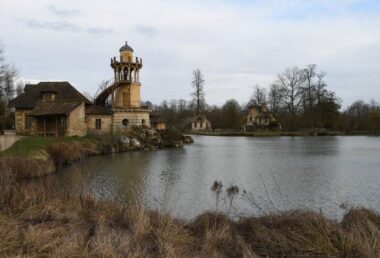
[
  {"x": 58, "y": 109},
  {"x": 50, "y": 109},
  {"x": 259, "y": 118},
  {"x": 157, "y": 122},
  {"x": 200, "y": 122},
  {"x": 98, "y": 119}
]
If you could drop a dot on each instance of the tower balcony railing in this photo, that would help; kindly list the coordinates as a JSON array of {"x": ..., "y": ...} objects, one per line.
[
  {"x": 129, "y": 105},
  {"x": 132, "y": 60}
]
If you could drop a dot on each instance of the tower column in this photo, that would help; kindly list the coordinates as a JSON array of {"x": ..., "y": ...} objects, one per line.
[{"x": 113, "y": 96}]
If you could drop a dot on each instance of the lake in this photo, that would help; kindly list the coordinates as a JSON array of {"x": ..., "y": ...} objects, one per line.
[{"x": 272, "y": 173}]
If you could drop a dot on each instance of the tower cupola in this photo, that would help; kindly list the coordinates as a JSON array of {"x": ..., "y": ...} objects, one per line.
[
  {"x": 126, "y": 52},
  {"x": 126, "y": 47}
]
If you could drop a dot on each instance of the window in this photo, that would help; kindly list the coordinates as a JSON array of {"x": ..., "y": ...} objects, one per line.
[
  {"x": 143, "y": 122},
  {"x": 125, "y": 122},
  {"x": 48, "y": 97},
  {"x": 195, "y": 124},
  {"x": 98, "y": 124},
  {"x": 201, "y": 124},
  {"x": 28, "y": 122}
]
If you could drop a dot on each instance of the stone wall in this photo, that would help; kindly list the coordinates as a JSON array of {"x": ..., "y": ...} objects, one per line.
[
  {"x": 201, "y": 125},
  {"x": 128, "y": 94},
  {"x": 135, "y": 118},
  {"x": 159, "y": 126},
  {"x": 20, "y": 115},
  {"x": 106, "y": 122},
  {"x": 76, "y": 124}
]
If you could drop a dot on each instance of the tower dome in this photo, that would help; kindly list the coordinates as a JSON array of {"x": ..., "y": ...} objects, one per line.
[{"x": 126, "y": 47}]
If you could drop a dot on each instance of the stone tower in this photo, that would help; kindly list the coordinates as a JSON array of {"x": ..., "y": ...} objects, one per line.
[
  {"x": 125, "y": 95},
  {"x": 127, "y": 76}
]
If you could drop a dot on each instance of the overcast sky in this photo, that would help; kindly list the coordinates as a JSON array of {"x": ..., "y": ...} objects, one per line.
[{"x": 236, "y": 43}]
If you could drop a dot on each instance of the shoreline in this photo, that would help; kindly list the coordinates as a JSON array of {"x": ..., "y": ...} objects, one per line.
[
  {"x": 33, "y": 157},
  {"x": 281, "y": 134}
]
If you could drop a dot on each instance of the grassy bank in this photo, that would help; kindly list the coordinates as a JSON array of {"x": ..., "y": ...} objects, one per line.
[
  {"x": 39, "y": 219},
  {"x": 38, "y": 156},
  {"x": 29, "y": 146}
]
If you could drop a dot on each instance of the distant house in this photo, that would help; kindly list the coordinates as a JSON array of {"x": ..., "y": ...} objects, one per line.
[
  {"x": 50, "y": 109},
  {"x": 259, "y": 118},
  {"x": 157, "y": 122},
  {"x": 200, "y": 122}
]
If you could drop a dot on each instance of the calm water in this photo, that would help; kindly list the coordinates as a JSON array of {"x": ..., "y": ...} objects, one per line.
[{"x": 283, "y": 173}]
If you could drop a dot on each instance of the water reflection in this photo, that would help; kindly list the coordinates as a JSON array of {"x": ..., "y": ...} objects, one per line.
[{"x": 281, "y": 173}]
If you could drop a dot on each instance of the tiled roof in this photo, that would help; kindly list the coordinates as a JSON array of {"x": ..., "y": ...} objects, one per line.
[
  {"x": 98, "y": 110},
  {"x": 32, "y": 94},
  {"x": 53, "y": 108}
]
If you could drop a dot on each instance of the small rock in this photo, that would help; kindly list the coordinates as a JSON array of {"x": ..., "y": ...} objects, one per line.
[
  {"x": 124, "y": 140},
  {"x": 135, "y": 143},
  {"x": 187, "y": 139}
]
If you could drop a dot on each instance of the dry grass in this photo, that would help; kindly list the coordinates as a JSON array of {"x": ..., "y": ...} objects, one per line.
[
  {"x": 64, "y": 153},
  {"x": 37, "y": 220},
  {"x": 46, "y": 160}
]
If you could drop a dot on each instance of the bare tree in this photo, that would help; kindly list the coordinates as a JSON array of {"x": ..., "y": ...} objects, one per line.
[
  {"x": 198, "y": 94},
  {"x": 320, "y": 88},
  {"x": 291, "y": 82},
  {"x": 181, "y": 104},
  {"x": 275, "y": 98},
  {"x": 309, "y": 74},
  {"x": 258, "y": 97},
  {"x": 19, "y": 88},
  {"x": 7, "y": 76}
]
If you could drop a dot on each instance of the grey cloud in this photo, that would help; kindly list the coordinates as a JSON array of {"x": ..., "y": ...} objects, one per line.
[
  {"x": 55, "y": 26},
  {"x": 62, "y": 11},
  {"x": 146, "y": 30},
  {"x": 65, "y": 26}
]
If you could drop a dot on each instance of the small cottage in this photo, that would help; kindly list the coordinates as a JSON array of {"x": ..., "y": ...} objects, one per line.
[
  {"x": 200, "y": 122},
  {"x": 50, "y": 109},
  {"x": 259, "y": 118},
  {"x": 157, "y": 122}
]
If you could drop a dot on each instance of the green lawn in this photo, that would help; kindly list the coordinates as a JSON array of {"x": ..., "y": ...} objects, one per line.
[{"x": 33, "y": 144}]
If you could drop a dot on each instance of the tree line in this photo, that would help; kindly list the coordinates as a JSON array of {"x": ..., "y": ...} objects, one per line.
[{"x": 298, "y": 97}]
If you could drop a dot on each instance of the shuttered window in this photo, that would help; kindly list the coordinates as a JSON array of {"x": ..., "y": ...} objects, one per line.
[{"x": 98, "y": 124}]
